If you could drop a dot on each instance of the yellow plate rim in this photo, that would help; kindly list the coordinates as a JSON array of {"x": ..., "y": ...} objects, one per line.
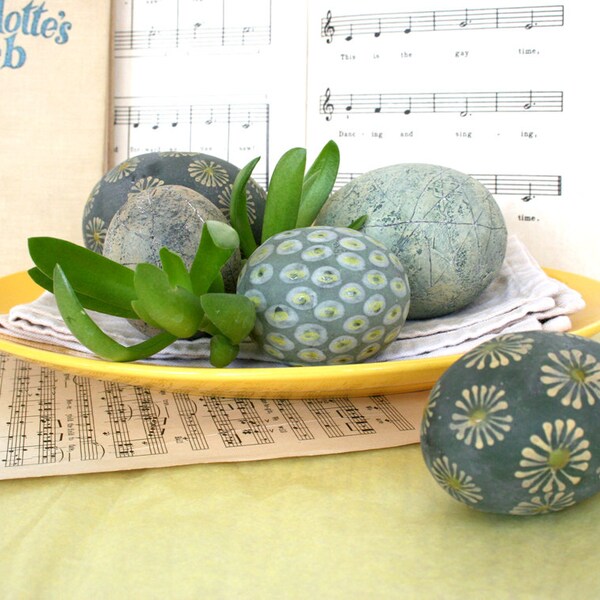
[{"x": 290, "y": 382}]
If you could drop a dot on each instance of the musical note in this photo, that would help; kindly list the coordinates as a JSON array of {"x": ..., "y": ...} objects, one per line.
[
  {"x": 530, "y": 25},
  {"x": 465, "y": 111},
  {"x": 350, "y": 35},
  {"x": 465, "y": 21},
  {"x": 408, "y": 29},
  {"x": 378, "y": 32}
]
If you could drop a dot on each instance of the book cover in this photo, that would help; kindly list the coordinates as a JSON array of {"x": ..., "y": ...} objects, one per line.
[{"x": 54, "y": 79}]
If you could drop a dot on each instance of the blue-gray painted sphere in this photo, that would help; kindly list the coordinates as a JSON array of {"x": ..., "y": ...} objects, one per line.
[
  {"x": 208, "y": 175},
  {"x": 445, "y": 227}
]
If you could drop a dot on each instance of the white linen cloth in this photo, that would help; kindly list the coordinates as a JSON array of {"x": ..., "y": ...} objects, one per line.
[{"x": 521, "y": 298}]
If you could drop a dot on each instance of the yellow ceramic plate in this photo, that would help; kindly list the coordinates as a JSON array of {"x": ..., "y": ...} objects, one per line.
[{"x": 293, "y": 382}]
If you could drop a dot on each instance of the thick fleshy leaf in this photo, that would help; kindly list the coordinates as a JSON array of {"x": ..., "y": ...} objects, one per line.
[
  {"x": 232, "y": 314},
  {"x": 217, "y": 243},
  {"x": 175, "y": 269},
  {"x": 173, "y": 309},
  {"x": 359, "y": 223},
  {"x": 285, "y": 192},
  {"x": 222, "y": 351},
  {"x": 318, "y": 183},
  {"x": 90, "y": 335},
  {"x": 238, "y": 210},
  {"x": 94, "y": 304},
  {"x": 89, "y": 273}
]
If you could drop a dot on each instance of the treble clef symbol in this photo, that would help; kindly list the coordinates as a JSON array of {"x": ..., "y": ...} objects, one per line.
[
  {"x": 327, "y": 107},
  {"x": 328, "y": 28}
]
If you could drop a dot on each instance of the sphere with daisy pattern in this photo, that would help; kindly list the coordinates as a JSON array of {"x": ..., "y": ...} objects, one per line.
[
  {"x": 513, "y": 426},
  {"x": 208, "y": 175}
]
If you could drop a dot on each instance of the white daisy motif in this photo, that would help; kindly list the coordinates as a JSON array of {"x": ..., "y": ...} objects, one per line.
[
  {"x": 145, "y": 183},
  {"x": 573, "y": 376},
  {"x": 481, "y": 418},
  {"x": 456, "y": 482},
  {"x": 208, "y": 173},
  {"x": 89, "y": 205},
  {"x": 429, "y": 407},
  {"x": 544, "y": 504},
  {"x": 95, "y": 232},
  {"x": 499, "y": 351},
  {"x": 557, "y": 458},
  {"x": 123, "y": 169},
  {"x": 224, "y": 202}
]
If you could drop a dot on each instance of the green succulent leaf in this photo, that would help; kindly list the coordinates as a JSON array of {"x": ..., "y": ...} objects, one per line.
[
  {"x": 175, "y": 269},
  {"x": 222, "y": 351},
  {"x": 90, "y": 335},
  {"x": 285, "y": 193},
  {"x": 359, "y": 223},
  {"x": 238, "y": 211},
  {"x": 174, "y": 309},
  {"x": 89, "y": 273},
  {"x": 86, "y": 301},
  {"x": 218, "y": 242},
  {"x": 233, "y": 315},
  {"x": 318, "y": 183}
]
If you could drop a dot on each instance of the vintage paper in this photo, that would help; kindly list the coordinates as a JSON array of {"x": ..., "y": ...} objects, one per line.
[{"x": 54, "y": 423}]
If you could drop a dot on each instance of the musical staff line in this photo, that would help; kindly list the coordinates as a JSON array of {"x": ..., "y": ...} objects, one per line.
[
  {"x": 461, "y": 103},
  {"x": 294, "y": 421},
  {"x": 15, "y": 448},
  {"x": 153, "y": 428},
  {"x": 156, "y": 116},
  {"x": 523, "y": 17},
  {"x": 189, "y": 38},
  {"x": 237, "y": 422},
  {"x": 188, "y": 413},
  {"x": 526, "y": 186},
  {"x": 89, "y": 448},
  {"x": 47, "y": 447},
  {"x": 392, "y": 414},
  {"x": 338, "y": 417}
]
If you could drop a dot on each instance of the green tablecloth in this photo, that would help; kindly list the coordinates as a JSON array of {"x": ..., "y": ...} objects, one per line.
[{"x": 361, "y": 525}]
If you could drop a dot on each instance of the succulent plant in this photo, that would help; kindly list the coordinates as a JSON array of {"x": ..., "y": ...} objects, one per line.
[
  {"x": 325, "y": 295},
  {"x": 176, "y": 300}
]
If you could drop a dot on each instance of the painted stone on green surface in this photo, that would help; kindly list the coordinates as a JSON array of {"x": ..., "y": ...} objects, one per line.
[
  {"x": 166, "y": 215},
  {"x": 208, "y": 175},
  {"x": 445, "y": 227},
  {"x": 513, "y": 426},
  {"x": 325, "y": 295}
]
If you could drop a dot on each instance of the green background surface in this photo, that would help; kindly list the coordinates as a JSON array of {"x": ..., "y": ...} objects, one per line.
[{"x": 359, "y": 525}]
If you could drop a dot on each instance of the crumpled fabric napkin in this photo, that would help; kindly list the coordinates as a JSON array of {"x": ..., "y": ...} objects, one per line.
[{"x": 521, "y": 298}]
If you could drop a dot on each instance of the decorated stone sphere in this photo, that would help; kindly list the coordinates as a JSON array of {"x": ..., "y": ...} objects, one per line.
[
  {"x": 445, "y": 227},
  {"x": 513, "y": 426},
  {"x": 325, "y": 295},
  {"x": 166, "y": 215},
  {"x": 208, "y": 175}
]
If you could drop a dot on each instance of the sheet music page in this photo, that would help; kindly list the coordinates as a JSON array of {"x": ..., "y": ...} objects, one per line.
[
  {"x": 221, "y": 77},
  {"x": 500, "y": 91},
  {"x": 54, "y": 423}
]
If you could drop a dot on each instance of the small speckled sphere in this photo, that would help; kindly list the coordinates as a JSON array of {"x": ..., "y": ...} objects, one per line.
[
  {"x": 325, "y": 295},
  {"x": 208, "y": 175},
  {"x": 445, "y": 227},
  {"x": 167, "y": 215},
  {"x": 513, "y": 426}
]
